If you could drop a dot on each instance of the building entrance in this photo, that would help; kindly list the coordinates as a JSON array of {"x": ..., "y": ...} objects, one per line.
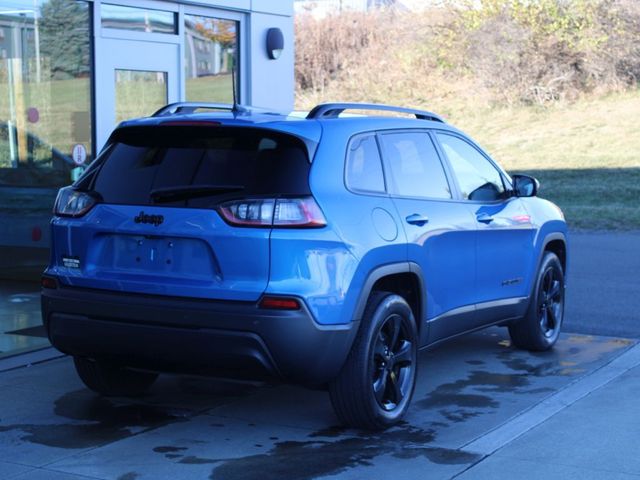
[{"x": 133, "y": 79}]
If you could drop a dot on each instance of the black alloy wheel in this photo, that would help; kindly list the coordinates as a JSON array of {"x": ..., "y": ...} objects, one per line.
[
  {"x": 392, "y": 363},
  {"x": 550, "y": 302},
  {"x": 540, "y": 328},
  {"x": 374, "y": 389}
]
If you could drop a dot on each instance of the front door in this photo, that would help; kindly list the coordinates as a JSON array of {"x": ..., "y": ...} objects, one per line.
[
  {"x": 133, "y": 79},
  {"x": 440, "y": 230},
  {"x": 505, "y": 232}
]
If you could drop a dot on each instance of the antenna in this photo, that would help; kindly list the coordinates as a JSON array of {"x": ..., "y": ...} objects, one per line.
[{"x": 233, "y": 87}]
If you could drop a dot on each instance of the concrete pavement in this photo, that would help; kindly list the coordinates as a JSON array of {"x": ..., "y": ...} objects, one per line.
[
  {"x": 594, "y": 438},
  {"x": 193, "y": 428}
]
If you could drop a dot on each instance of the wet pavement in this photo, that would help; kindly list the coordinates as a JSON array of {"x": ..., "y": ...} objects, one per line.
[
  {"x": 20, "y": 321},
  {"x": 189, "y": 427}
]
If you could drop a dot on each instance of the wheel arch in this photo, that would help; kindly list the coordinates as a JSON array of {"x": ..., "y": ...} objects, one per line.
[
  {"x": 555, "y": 242},
  {"x": 558, "y": 245},
  {"x": 404, "y": 279},
  {"x": 525, "y": 332}
]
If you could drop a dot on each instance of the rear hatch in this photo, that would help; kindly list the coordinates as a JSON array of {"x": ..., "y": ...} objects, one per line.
[{"x": 181, "y": 210}]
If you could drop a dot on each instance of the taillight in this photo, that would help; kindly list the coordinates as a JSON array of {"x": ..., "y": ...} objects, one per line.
[
  {"x": 298, "y": 212},
  {"x": 255, "y": 213},
  {"x": 277, "y": 212},
  {"x": 73, "y": 203}
]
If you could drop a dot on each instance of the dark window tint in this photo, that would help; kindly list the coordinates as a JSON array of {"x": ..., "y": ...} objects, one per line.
[
  {"x": 415, "y": 167},
  {"x": 198, "y": 166},
  {"x": 364, "y": 168},
  {"x": 478, "y": 179}
]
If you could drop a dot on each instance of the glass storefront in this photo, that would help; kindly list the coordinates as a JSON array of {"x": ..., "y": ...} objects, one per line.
[
  {"x": 45, "y": 91},
  {"x": 211, "y": 56},
  {"x": 45, "y": 112},
  {"x": 45, "y": 116}
]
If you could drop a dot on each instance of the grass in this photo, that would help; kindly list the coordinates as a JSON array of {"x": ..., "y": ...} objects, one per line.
[
  {"x": 210, "y": 89},
  {"x": 594, "y": 198},
  {"x": 595, "y": 133},
  {"x": 586, "y": 155}
]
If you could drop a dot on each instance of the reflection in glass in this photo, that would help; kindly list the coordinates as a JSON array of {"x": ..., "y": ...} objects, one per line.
[
  {"x": 137, "y": 19},
  {"x": 211, "y": 50},
  {"x": 139, "y": 93},
  {"x": 45, "y": 89},
  {"x": 45, "y": 110}
]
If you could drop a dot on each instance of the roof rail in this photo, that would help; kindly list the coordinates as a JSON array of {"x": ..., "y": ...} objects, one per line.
[
  {"x": 332, "y": 110},
  {"x": 190, "y": 107}
]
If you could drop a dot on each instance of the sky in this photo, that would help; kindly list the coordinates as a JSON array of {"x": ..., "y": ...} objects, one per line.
[{"x": 12, "y": 5}]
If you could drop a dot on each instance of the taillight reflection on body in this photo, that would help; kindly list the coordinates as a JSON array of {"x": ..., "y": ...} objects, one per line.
[
  {"x": 279, "y": 303},
  {"x": 277, "y": 212}
]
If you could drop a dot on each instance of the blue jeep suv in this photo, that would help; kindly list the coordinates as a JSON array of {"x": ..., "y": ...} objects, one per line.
[{"x": 323, "y": 250}]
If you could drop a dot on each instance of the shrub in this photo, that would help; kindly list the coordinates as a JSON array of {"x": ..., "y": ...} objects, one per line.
[
  {"x": 325, "y": 47},
  {"x": 509, "y": 51},
  {"x": 545, "y": 50}
]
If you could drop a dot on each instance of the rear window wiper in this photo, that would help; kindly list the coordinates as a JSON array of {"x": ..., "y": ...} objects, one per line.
[{"x": 184, "y": 192}]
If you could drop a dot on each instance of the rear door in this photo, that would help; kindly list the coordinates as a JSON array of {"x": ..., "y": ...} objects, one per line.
[
  {"x": 440, "y": 230},
  {"x": 183, "y": 211},
  {"x": 505, "y": 232}
]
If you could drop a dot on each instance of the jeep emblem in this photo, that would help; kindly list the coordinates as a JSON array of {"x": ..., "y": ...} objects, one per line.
[{"x": 144, "y": 218}]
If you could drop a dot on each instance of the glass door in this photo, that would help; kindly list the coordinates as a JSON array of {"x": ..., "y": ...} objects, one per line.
[{"x": 133, "y": 79}]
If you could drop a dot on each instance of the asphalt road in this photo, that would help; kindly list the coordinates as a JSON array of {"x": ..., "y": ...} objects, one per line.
[{"x": 603, "y": 294}]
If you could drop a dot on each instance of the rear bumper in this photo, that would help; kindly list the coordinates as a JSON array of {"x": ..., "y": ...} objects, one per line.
[{"x": 232, "y": 339}]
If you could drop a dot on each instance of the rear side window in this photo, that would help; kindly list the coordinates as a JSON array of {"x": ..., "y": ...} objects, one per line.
[
  {"x": 198, "y": 166},
  {"x": 479, "y": 180},
  {"x": 415, "y": 166},
  {"x": 364, "y": 167}
]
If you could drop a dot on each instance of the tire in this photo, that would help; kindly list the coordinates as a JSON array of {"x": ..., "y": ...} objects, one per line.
[
  {"x": 376, "y": 383},
  {"x": 112, "y": 380},
  {"x": 540, "y": 328}
]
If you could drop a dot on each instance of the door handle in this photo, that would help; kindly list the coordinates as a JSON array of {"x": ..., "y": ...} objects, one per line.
[
  {"x": 484, "y": 218},
  {"x": 417, "y": 219}
]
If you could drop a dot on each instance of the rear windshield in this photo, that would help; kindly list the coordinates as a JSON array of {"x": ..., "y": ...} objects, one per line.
[{"x": 197, "y": 166}]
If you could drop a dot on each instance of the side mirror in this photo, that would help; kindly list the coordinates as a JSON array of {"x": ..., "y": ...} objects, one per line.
[{"x": 525, "y": 186}]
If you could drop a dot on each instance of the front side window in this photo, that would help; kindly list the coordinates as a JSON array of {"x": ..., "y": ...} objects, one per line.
[
  {"x": 415, "y": 167},
  {"x": 479, "y": 180},
  {"x": 211, "y": 57},
  {"x": 364, "y": 167}
]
